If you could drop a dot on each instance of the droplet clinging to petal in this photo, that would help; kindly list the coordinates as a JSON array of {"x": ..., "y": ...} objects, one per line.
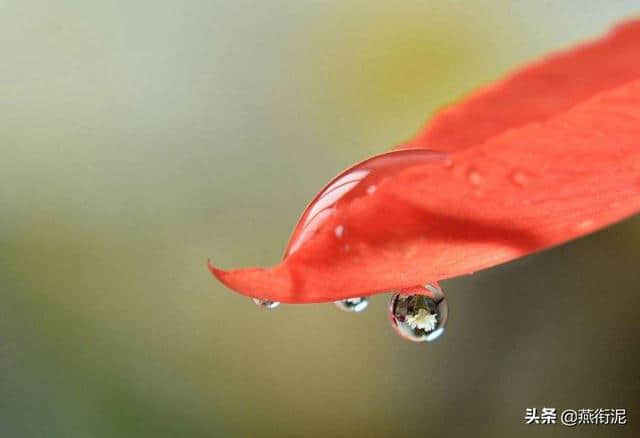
[
  {"x": 267, "y": 304},
  {"x": 357, "y": 304}
]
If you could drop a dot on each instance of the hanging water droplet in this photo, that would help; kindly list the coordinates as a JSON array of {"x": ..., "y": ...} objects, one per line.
[
  {"x": 361, "y": 180},
  {"x": 267, "y": 304},
  {"x": 419, "y": 318},
  {"x": 356, "y": 304}
]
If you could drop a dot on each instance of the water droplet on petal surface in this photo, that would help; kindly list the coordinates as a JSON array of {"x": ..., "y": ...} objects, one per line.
[
  {"x": 417, "y": 317},
  {"x": 356, "y": 182},
  {"x": 520, "y": 178},
  {"x": 267, "y": 304},
  {"x": 585, "y": 224},
  {"x": 357, "y": 304},
  {"x": 474, "y": 177}
]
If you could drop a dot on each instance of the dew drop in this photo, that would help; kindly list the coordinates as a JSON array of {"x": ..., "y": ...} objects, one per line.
[
  {"x": 357, "y": 304},
  {"x": 356, "y": 182},
  {"x": 419, "y": 318},
  {"x": 474, "y": 177},
  {"x": 585, "y": 224},
  {"x": 520, "y": 178},
  {"x": 266, "y": 304},
  {"x": 339, "y": 231}
]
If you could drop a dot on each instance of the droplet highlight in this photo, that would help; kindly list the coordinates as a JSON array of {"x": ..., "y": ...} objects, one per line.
[
  {"x": 418, "y": 317},
  {"x": 356, "y": 304}
]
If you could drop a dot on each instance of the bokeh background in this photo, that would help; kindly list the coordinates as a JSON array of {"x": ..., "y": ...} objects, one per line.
[{"x": 137, "y": 139}]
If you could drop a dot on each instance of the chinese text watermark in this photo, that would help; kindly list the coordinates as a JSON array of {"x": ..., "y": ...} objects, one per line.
[{"x": 576, "y": 417}]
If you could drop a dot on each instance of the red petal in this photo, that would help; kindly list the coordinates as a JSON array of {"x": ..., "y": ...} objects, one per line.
[
  {"x": 518, "y": 192},
  {"x": 537, "y": 92}
]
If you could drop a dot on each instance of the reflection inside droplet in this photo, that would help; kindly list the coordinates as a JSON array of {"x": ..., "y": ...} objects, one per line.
[
  {"x": 419, "y": 318},
  {"x": 363, "y": 179},
  {"x": 267, "y": 304},
  {"x": 357, "y": 304}
]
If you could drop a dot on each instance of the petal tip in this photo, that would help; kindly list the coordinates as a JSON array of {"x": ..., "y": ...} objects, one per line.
[{"x": 216, "y": 272}]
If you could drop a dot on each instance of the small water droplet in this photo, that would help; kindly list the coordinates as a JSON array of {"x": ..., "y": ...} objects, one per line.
[
  {"x": 339, "y": 231},
  {"x": 267, "y": 304},
  {"x": 474, "y": 177},
  {"x": 585, "y": 224},
  {"x": 419, "y": 318},
  {"x": 357, "y": 304},
  {"x": 520, "y": 178},
  {"x": 371, "y": 189}
]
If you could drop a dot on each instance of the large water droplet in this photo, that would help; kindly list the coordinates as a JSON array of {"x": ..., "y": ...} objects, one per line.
[
  {"x": 419, "y": 318},
  {"x": 357, "y": 304},
  {"x": 360, "y": 180},
  {"x": 267, "y": 304}
]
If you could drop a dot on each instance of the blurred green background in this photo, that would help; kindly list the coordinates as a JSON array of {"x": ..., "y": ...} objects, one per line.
[{"x": 140, "y": 138}]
